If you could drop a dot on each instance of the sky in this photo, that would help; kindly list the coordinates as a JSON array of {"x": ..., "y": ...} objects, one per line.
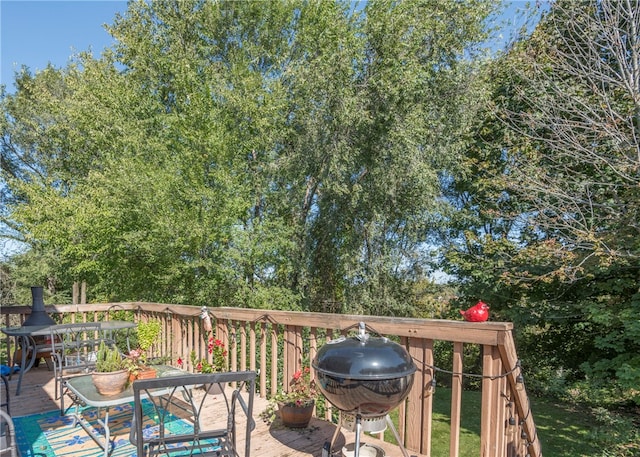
[{"x": 34, "y": 33}]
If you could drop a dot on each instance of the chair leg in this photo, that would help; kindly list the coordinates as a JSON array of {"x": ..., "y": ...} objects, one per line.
[
  {"x": 61, "y": 393},
  {"x": 57, "y": 371},
  {"x": 10, "y": 436},
  {"x": 57, "y": 386},
  {"x": 5, "y": 403}
]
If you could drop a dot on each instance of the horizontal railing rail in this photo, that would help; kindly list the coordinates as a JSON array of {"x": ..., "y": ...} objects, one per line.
[{"x": 279, "y": 343}]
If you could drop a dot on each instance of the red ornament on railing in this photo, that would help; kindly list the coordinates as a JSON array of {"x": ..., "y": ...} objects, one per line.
[{"x": 477, "y": 313}]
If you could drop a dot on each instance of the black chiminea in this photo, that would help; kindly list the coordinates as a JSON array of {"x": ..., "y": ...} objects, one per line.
[{"x": 38, "y": 314}]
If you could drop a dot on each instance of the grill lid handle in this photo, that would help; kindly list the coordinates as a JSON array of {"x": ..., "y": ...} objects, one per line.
[{"x": 362, "y": 332}]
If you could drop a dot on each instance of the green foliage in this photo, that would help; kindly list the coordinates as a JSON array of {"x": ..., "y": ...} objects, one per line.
[
  {"x": 148, "y": 333},
  {"x": 304, "y": 155},
  {"x": 146, "y": 336},
  {"x": 546, "y": 222},
  {"x": 615, "y": 433},
  {"x": 284, "y": 154}
]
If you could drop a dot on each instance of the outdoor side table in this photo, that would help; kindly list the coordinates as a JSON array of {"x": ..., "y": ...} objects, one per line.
[{"x": 86, "y": 394}]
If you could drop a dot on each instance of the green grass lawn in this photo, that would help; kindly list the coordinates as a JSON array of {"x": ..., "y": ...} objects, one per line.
[{"x": 564, "y": 431}]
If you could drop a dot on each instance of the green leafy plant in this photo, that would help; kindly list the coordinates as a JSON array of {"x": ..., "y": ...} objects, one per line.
[
  {"x": 109, "y": 359},
  {"x": 148, "y": 333},
  {"x": 302, "y": 391}
]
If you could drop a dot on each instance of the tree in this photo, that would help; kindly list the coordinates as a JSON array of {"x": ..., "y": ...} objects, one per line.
[
  {"x": 582, "y": 90},
  {"x": 565, "y": 138},
  {"x": 580, "y": 167},
  {"x": 375, "y": 106},
  {"x": 248, "y": 153}
]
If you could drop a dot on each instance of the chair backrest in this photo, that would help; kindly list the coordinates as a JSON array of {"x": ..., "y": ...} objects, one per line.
[
  {"x": 178, "y": 406},
  {"x": 75, "y": 345}
]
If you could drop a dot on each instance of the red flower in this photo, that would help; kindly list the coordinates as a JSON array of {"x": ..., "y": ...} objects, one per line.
[
  {"x": 302, "y": 389},
  {"x": 217, "y": 361}
]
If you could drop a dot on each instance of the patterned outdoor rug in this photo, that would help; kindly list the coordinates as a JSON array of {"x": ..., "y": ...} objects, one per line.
[{"x": 52, "y": 435}]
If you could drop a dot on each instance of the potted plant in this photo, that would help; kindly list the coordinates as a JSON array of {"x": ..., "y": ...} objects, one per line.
[
  {"x": 213, "y": 364},
  {"x": 136, "y": 360},
  {"x": 111, "y": 374},
  {"x": 218, "y": 358},
  {"x": 296, "y": 405}
]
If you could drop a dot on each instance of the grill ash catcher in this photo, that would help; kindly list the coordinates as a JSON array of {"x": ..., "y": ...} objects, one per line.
[{"x": 364, "y": 377}]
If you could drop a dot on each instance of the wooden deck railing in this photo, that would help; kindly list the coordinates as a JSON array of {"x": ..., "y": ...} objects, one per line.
[{"x": 278, "y": 343}]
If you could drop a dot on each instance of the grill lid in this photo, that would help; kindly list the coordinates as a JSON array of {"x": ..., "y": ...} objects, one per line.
[
  {"x": 363, "y": 358},
  {"x": 363, "y": 375}
]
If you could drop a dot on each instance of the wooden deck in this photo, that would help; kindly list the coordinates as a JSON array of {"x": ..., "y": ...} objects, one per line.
[{"x": 274, "y": 440}]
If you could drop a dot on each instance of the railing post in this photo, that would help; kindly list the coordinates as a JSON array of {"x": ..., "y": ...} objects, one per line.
[
  {"x": 274, "y": 359},
  {"x": 456, "y": 399},
  {"x": 420, "y": 400},
  {"x": 263, "y": 359},
  {"x": 492, "y": 403},
  {"x": 75, "y": 293}
]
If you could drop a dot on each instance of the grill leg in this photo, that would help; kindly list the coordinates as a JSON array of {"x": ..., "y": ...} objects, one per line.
[
  {"x": 358, "y": 430},
  {"x": 396, "y": 435},
  {"x": 356, "y": 446},
  {"x": 335, "y": 434}
]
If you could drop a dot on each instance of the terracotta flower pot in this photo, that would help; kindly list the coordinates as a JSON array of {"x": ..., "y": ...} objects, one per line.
[
  {"x": 296, "y": 416},
  {"x": 110, "y": 383},
  {"x": 143, "y": 373}
]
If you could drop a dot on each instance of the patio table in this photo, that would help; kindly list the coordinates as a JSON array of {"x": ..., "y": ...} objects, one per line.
[
  {"x": 25, "y": 339},
  {"x": 86, "y": 394}
]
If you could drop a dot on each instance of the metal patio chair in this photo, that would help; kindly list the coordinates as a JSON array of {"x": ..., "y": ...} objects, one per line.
[
  {"x": 8, "y": 444},
  {"x": 4, "y": 403},
  {"x": 187, "y": 398},
  {"x": 73, "y": 349}
]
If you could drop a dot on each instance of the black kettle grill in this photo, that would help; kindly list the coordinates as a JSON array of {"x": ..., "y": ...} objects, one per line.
[{"x": 365, "y": 377}]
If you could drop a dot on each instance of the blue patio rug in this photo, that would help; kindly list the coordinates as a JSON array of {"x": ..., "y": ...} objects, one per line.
[{"x": 51, "y": 435}]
